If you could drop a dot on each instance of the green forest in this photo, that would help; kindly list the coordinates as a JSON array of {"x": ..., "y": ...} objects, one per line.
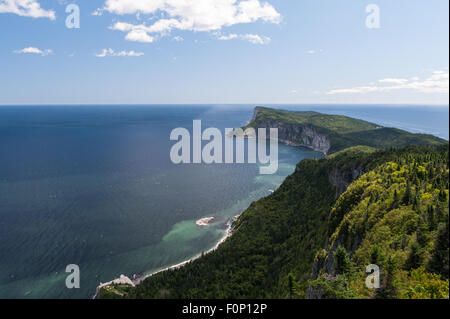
[
  {"x": 395, "y": 215},
  {"x": 377, "y": 202}
]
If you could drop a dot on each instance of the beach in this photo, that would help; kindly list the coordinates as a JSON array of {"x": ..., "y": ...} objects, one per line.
[{"x": 136, "y": 280}]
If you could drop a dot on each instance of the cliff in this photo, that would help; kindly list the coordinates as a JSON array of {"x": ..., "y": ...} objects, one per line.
[
  {"x": 304, "y": 135},
  {"x": 333, "y": 133},
  {"x": 395, "y": 217},
  {"x": 342, "y": 179}
]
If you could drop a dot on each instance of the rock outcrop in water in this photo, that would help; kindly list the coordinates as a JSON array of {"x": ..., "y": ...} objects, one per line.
[{"x": 122, "y": 280}]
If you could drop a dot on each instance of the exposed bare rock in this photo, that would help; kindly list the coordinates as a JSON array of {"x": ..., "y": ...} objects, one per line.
[{"x": 342, "y": 179}]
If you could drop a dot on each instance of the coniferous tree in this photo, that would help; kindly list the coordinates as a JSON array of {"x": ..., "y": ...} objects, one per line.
[
  {"x": 291, "y": 285},
  {"x": 377, "y": 255},
  {"x": 432, "y": 222},
  {"x": 415, "y": 257},
  {"x": 342, "y": 262},
  {"x": 440, "y": 259},
  {"x": 395, "y": 200},
  {"x": 407, "y": 196},
  {"x": 442, "y": 196}
]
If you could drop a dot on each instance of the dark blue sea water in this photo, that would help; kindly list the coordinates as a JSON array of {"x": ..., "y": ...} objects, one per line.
[{"x": 94, "y": 186}]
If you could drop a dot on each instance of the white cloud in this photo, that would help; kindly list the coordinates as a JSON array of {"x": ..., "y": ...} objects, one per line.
[
  {"x": 315, "y": 51},
  {"x": 255, "y": 39},
  {"x": 178, "y": 39},
  {"x": 97, "y": 12},
  {"x": 439, "y": 75},
  {"x": 438, "y": 82},
  {"x": 26, "y": 8},
  {"x": 139, "y": 36},
  {"x": 111, "y": 52},
  {"x": 33, "y": 50},
  {"x": 231, "y": 36},
  {"x": 190, "y": 15},
  {"x": 393, "y": 81},
  {"x": 252, "y": 38}
]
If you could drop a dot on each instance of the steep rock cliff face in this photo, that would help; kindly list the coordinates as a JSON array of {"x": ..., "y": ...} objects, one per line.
[
  {"x": 294, "y": 134},
  {"x": 255, "y": 114},
  {"x": 342, "y": 179},
  {"x": 297, "y": 135}
]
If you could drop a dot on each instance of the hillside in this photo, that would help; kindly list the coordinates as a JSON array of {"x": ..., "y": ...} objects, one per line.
[
  {"x": 332, "y": 133},
  {"x": 394, "y": 216},
  {"x": 314, "y": 236}
]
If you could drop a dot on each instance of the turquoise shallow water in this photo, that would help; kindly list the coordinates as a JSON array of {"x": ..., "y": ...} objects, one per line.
[{"x": 94, "y": 186}]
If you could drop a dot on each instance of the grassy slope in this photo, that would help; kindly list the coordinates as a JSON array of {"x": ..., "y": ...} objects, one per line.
[
  {"x": 354, "y": 150},
  {"x": 276, "y": 240},
  {"x": 332, "y": 123}
]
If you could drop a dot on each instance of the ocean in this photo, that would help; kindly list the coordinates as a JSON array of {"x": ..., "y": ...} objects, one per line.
[{"x": 94, "y": 186}]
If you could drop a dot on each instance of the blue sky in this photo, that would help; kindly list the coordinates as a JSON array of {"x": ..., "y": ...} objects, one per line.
[{"x": 224, "y": 51}]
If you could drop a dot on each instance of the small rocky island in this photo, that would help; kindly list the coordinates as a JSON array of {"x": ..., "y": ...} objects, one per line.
[{"x": 205, "y": 221}]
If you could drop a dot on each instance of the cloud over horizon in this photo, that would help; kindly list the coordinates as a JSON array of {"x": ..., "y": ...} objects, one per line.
[{"x": 437, "y": 82}]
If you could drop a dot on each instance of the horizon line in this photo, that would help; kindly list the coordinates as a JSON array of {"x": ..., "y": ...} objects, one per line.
[{"x": 217, "y": 104}]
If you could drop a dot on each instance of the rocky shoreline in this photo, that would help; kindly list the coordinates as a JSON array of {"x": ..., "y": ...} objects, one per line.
[
  {"x": 124, "y": 280},
  {"x": 205, "y": 221}
]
